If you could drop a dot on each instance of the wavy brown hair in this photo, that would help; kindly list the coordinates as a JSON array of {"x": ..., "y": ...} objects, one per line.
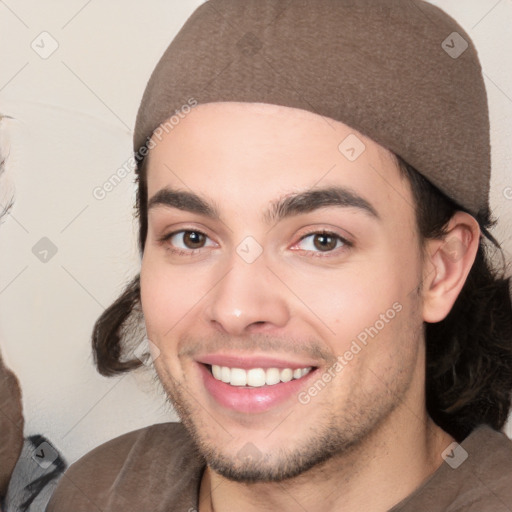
[{"x": 468, "y": 354}]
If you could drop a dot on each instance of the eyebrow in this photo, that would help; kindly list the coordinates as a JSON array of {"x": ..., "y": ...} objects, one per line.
[
  {"x": 305, "y": 202},
  {"x": 182, "y": 200},
  {"x": 293, "y": 204}
]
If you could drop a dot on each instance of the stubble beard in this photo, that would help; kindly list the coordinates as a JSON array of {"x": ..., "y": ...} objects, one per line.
[{"x": 333, "y": 437}]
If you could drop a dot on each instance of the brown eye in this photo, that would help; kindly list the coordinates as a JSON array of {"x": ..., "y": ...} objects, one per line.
[
  {"x": 187, "y": 240},
  {"x": 322, "y": 242},
  {"x": 194, "y": 239},
  {"x": 325, "y": 242}
]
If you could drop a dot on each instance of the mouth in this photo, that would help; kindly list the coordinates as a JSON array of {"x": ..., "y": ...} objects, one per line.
[
  {"x": 254, "y": 385},
  {"x": 256, "y": 377}
]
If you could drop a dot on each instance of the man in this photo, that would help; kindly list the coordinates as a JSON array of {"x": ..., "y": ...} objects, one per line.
[
  {"x": 11, "y": 414},
  {"x": 25, "y": 486},
  {"x": 313, "y": 200}
]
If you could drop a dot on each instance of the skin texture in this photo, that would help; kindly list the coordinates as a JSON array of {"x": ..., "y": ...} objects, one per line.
[{"x": 368, "y": 427}]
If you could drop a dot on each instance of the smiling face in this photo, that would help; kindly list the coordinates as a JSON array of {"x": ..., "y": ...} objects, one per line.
[{"x": 280, "y": 282}]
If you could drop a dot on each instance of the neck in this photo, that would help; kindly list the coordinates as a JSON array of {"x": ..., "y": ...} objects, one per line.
[{"x": 382, "y": 470}]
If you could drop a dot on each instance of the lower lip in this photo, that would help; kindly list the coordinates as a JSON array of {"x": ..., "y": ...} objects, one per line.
[{"x": 252, "y": 400}]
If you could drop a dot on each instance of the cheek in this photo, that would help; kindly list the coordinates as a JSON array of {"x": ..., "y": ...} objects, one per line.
[
  {"x": 169, "y": 294},
  {"x": 364, "y": 309},
  {"x": 344, "y": 302},
  {"x": 159, "y": 297}
]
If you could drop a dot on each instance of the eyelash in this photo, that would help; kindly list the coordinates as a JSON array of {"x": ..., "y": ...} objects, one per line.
[
  {"x": 181, "y": 252},
  {"x": 191, "y": 252},
  {"x": 325, "y": 254}
]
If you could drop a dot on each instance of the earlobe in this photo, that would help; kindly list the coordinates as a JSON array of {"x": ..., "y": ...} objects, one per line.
[{"x": 447, "y": 264}]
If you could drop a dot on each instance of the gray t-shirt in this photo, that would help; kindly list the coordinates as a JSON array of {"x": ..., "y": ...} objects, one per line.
[{"x": 157, "y": 469}]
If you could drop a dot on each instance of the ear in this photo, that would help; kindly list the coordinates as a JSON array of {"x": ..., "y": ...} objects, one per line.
[{"x": 448, "y": 261}]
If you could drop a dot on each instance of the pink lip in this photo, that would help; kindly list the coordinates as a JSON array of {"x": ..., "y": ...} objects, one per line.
[
  {"x": 252, "y": 400},
  {"x": 246, "y": 363}
]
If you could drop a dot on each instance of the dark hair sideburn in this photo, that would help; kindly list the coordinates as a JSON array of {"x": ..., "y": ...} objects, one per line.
[{"x": 469, "y": 353}]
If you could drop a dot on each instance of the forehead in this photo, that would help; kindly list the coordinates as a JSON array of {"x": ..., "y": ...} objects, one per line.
[{"x": 250, "y": 153}]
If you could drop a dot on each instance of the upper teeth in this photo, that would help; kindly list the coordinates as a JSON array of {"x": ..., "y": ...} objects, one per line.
[{"x": 257, "y": 377}]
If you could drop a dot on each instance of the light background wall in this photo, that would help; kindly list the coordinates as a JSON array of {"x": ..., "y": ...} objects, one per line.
[{"x": 73, "y": 115}]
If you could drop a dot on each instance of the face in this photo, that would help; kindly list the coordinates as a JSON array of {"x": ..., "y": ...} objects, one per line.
[{"x": 280, "y": 283}]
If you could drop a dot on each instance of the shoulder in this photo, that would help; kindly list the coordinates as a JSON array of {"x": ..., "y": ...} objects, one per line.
[
  {"x": 489, "y": 454},
  {"x": 475, "y": 477},
  {"x": 155, "y": 462},
  {"x": 485, "y": 475}
]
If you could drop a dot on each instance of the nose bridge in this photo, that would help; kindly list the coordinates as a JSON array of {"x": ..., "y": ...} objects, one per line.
[{"x": 247, "y": 296}]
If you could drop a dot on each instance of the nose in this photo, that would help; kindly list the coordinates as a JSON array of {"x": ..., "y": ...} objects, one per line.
[{"x": 249, "y": 298}]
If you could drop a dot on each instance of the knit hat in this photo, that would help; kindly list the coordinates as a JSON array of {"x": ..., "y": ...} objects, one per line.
[{"x": 401, "y": 72}]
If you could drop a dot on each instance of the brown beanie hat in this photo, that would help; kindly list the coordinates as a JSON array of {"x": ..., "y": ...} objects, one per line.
[{"x": 401, "y": 72}]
